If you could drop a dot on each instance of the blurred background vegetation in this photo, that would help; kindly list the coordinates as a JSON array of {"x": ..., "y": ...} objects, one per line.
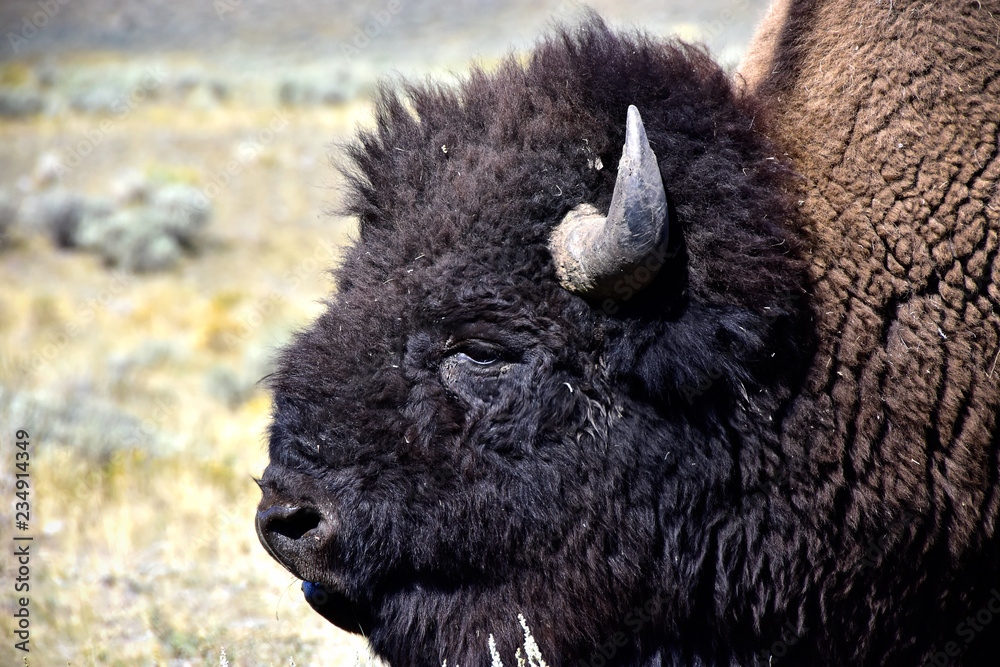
[{"x": 164, "y": 185}]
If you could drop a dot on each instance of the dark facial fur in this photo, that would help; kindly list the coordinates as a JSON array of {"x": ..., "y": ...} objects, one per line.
[{"x": 473, "y": 442}]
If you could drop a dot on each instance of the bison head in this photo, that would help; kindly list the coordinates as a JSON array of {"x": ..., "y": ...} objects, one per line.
[{"x": 545, "y": 385}]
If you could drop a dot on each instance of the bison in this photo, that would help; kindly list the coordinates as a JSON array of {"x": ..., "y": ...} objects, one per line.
[{"x": 682, "y": 368}]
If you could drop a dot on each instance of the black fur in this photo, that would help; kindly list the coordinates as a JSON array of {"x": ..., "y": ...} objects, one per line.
[{"x": 485, "y": 443}]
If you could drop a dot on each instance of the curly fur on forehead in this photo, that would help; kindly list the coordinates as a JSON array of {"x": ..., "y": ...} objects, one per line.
[{"x": 488, "y": 167}]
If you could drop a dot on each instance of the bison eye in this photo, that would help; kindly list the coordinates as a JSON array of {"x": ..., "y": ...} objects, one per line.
[
  {"x": 472, "y": 369},
  {"x": 479, "y": 357},
  {"x": 477, "y": 352}
]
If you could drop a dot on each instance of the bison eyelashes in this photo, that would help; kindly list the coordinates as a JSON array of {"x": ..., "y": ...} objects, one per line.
[
  {"x": 593, "y": 253},
  {"x": 479, "y": 357},
  {"x": 477, "y": 352}
]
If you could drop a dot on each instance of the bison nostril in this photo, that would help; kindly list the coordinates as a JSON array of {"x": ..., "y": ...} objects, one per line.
[
  {"x": 292, "y": 534},
  {"x": 300, "y": 523},
  {"x": 290, "y": 522}
]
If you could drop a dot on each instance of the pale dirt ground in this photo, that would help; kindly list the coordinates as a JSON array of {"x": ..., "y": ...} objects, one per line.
[{"x": 146, "y": 555}]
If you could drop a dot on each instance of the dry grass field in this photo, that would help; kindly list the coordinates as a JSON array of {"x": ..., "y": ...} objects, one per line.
[
  {"x": 146, "y": 554},
  {"x": 139, "y": 389}
]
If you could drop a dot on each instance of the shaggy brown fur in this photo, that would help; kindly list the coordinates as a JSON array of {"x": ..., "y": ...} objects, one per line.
[{"x": 889, "y": 111}]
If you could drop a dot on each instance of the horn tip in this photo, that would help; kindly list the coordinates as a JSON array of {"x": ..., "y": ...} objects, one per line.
[{"x": 635, "y": 134}]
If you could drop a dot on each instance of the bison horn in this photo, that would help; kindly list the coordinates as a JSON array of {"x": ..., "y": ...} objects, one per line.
[{"x": 595, "y": 254}]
